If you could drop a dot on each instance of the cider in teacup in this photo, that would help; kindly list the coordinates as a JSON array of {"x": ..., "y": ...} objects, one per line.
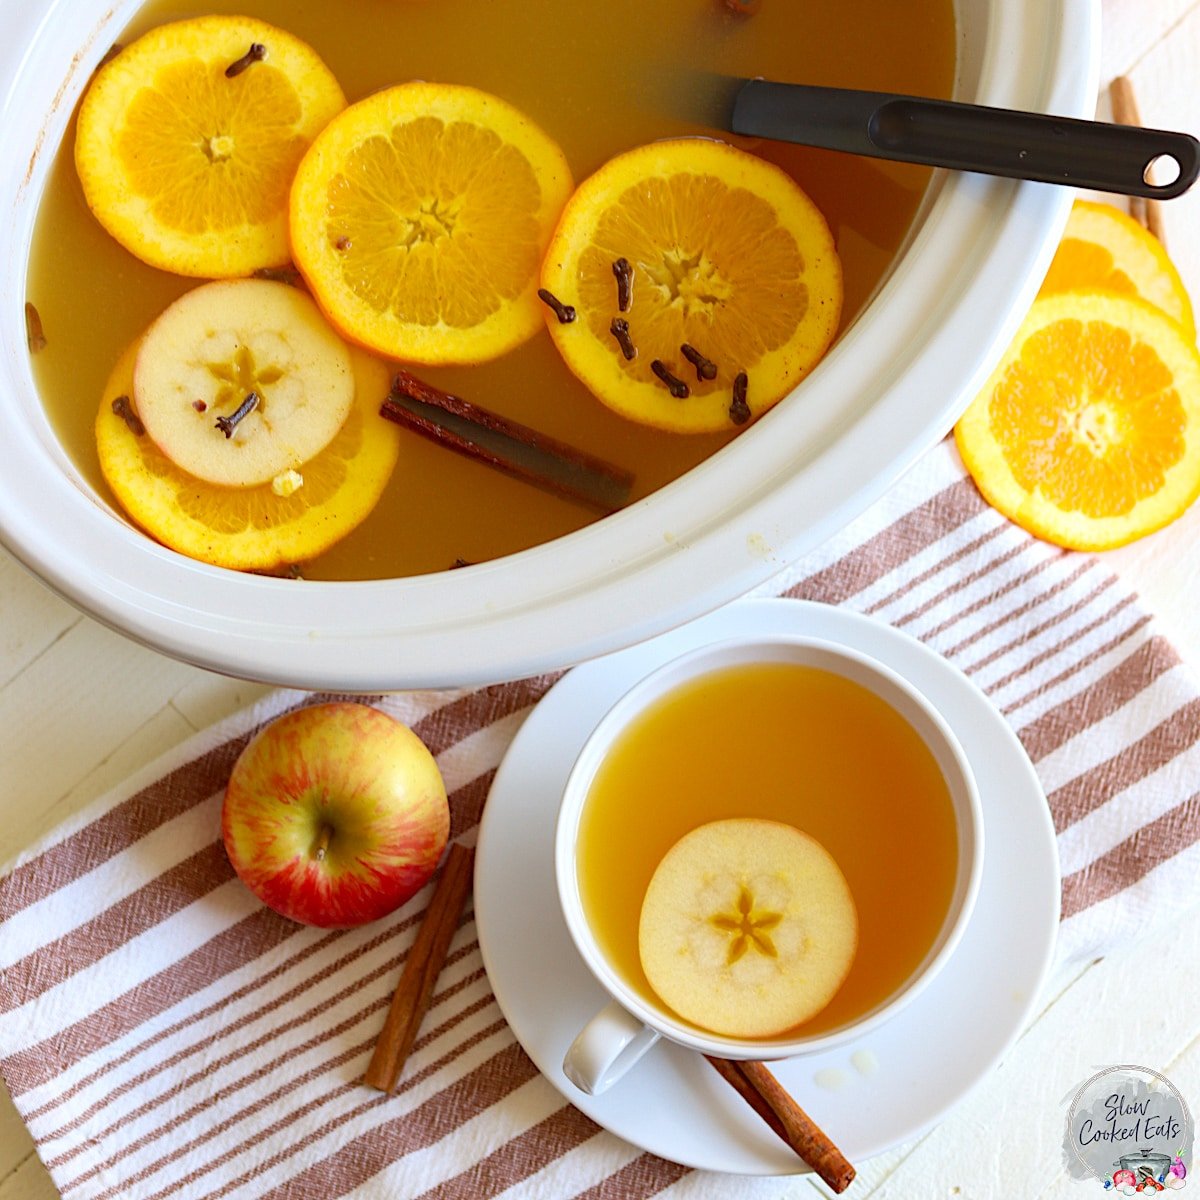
[{"x": 762, "y": 748}]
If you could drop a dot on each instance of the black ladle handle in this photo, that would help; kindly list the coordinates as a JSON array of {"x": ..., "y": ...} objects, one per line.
[{"x": 968, "y": 137}]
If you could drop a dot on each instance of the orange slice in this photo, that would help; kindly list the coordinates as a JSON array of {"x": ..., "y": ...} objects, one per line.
[
  {"x": 728, "y": 257},
  {"x": 1103, "y": 247},
  {"x": 188, "y": 167},
  {"x": 252, "y": 528},
  {"x": 419, "y": 218},
  {"x": 1087, "y": 434}
]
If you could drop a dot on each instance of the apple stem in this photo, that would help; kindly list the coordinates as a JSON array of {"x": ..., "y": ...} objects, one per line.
[{"x": 323, "y": 842}]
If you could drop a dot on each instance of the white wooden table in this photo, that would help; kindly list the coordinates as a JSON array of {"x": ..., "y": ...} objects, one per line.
[{"x": 81, "y": 708}]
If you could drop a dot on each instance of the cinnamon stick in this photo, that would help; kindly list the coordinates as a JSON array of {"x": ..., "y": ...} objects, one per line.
[
  {"x": 506, "y": 445},
  {"x": 1145, "y": 211},
  {"x": 767, "y": 1096},
  {"x": 426, "y": 957}
]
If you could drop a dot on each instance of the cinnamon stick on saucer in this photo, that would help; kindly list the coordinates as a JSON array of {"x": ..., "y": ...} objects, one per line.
[
  {"x": 425, "y": 959},
  {"x": 767, "y": 1096}
]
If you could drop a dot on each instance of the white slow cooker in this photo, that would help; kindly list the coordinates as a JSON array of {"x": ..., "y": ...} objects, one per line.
[{"x": 891, "y": 387}]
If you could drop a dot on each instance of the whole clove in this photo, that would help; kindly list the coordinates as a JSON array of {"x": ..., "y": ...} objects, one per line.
[
  {"x": 124, "y": 409},
  {"x": 739, "y": 410},
  {"x": 623, "y": 270},
  {"x": 620, "y": 330},
  {"x": 705, "y": 368},
  {"x": 256, "y": 53},
  {"x": 228, "y": 424},
  {"x": 675, "y": 386},
  {"x": 564, "y": 312}
]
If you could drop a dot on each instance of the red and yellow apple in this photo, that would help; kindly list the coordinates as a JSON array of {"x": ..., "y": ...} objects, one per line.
[{"x": 335, "y": 814}]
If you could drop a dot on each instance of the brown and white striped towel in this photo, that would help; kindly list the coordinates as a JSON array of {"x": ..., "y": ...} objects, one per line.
[{"x": 163, "y": 1035}]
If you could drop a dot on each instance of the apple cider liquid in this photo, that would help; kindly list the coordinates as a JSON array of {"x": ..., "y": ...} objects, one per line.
[
  {"x": 599, "y": 78},
  {"x": 785, "y": 743}
]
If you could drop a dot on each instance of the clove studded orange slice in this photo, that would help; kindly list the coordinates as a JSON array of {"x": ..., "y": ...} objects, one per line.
[
  {"x": 288, "y": 521},
  {"x": 1103, "y": 247},
  {"x": 729, "y": 270},
  {"x": 419, "y": 217},
  {"x": 1087, "y": 433},
  {"x": 188, "y": 140}
]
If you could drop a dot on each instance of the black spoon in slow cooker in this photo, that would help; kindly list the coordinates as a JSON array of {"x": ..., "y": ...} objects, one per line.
[{"x": 1129, "y": 160}]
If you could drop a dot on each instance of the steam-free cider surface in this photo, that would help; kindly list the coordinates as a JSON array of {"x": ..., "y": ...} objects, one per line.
[
  {"x": 791, "y": 744},
  {"x": 599, "y": 79}
]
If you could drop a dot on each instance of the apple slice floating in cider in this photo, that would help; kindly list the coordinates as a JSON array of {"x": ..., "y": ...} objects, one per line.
[
  {"x": 748, "y": 927},
  {"x": 241, "y": 380}
]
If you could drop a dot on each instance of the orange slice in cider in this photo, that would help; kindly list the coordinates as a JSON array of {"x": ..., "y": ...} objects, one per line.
[
  {"x": 419, "y": 217},
  {"x": 250, "y": 528},
  {"x": 724, "y": 254},
  {"x": 188, "y": 140}
]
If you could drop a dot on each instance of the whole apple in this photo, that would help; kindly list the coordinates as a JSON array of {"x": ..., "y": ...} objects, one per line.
[{"x": 335, "y": 814}]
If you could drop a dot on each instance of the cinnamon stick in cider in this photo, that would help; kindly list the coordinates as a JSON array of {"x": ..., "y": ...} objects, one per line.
[
  {"x": 506, "y": 445},
  {"x": 767, "y": 1096}
]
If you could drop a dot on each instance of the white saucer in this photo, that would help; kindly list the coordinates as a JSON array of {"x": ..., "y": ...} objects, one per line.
[{"x": 868, "y": 1097}]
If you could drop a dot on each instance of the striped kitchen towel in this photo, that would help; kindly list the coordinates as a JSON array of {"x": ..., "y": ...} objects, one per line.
[{"x": 165, "y": 1036}]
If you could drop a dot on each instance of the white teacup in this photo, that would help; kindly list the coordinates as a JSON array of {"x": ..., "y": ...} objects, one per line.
[{"x": 621, "y": 1032}]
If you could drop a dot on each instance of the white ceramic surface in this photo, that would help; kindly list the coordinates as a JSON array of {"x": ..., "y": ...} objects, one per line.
[
  {"x": 605, "y": 1048},
  {"x": 890, "y": 388},
  {"x": 868, "y": 1096}
]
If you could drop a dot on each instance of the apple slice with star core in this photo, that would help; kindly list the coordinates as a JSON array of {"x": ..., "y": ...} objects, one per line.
[
  {"x": 335, "y": 814},
  {"x": 241, "y": 380},
  {"x": 748, "y": 927}
]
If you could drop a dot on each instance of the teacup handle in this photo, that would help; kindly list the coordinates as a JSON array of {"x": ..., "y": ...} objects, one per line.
[{"x": 607, "y": 1046}]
